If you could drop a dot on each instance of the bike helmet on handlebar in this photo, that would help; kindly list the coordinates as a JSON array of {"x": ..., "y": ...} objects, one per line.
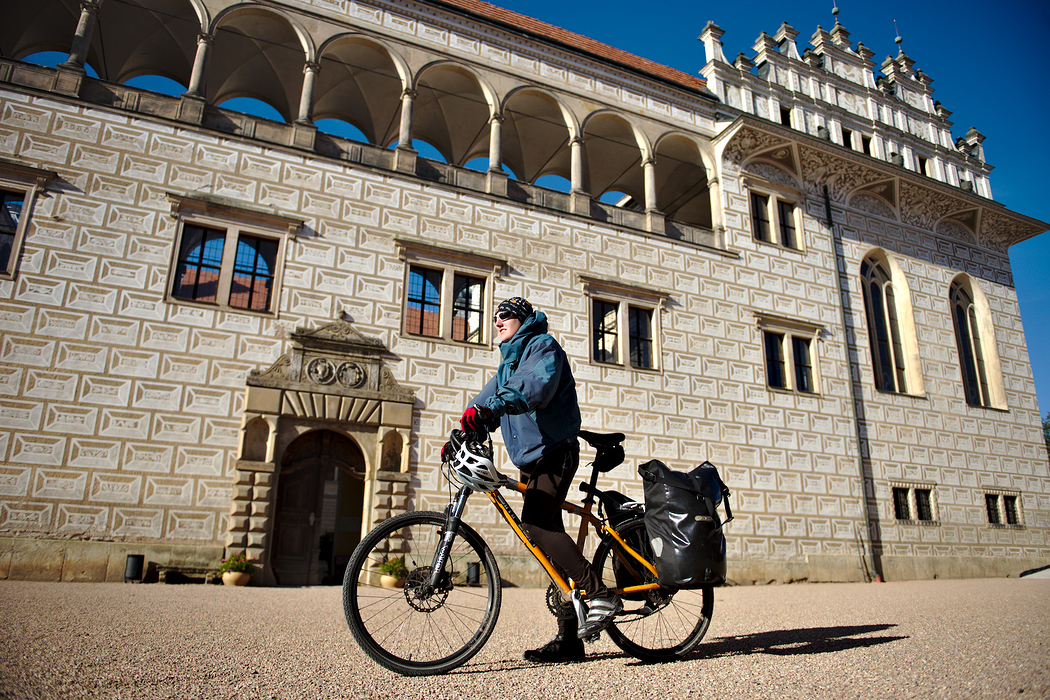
[{"x": 471, "y": 460}]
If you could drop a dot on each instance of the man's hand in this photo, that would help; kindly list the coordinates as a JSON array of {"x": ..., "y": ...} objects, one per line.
[
  {"x": 447, "y": 453},
  {"x": 477, "y": 419}
]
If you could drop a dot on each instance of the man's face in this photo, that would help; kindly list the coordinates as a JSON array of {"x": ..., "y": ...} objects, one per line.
[{"x": 506, "y": 328}]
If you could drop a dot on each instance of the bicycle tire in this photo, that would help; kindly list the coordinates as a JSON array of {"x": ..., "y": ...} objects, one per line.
[
  {"x": 658, "y": 625},
  {"x": 405, "y": 629}
]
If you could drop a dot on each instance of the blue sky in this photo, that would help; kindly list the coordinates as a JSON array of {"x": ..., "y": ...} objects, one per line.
[{"x": 983, "y": 66}]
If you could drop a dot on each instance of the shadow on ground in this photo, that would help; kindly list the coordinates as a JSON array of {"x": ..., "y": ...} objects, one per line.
[{"x": 810, "y": 640}]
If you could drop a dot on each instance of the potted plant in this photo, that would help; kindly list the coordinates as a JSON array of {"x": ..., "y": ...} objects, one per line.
[
  {"x": 236, "y": 569},
  {"x": 393, "y": 573}
]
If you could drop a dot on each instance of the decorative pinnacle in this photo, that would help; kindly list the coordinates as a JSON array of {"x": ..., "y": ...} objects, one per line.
[
  {"x": 835, "y": 11},
  {"x": 899, "y": 38}
]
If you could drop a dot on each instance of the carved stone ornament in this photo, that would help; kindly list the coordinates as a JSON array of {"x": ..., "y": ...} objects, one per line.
[
  {"x": 917, "y": 201},
  {"x": 334, "y": 359}
]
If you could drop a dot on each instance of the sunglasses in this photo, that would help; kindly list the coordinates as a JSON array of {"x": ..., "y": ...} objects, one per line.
[{"x": 503, "y": 315}]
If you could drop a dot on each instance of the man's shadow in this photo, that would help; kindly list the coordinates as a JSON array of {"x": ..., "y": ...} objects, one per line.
[{"x": 809, "y": 640}]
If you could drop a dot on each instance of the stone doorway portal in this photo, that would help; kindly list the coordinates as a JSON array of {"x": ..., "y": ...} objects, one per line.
[{"x": 318, "y": 513}]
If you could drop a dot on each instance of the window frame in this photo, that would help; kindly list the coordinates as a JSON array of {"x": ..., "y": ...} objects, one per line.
[
  {"x": 31, "y": 183},
  {"x": 917, "y": 497},
  {"x": 980, "y": 369},
  {"x": 1003, "y": 513},
  {"x": 451, "y": 264},
  {"x": 772, "y": 215},
  {"x": 788, "y": 333},
  {"x": 625, "y": 299},
  {"x": 234, "y": 222}
]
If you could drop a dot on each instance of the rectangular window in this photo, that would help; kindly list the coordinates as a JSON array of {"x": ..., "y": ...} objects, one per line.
[
  {"x": 788, "y": 350},
  {"x": 803, "y": 364},
  {"x": 423, "y": 301},
  {"x": 785, "y": 116},
  {"x": 11, "y": 204},
  {"x": 991, "y": 505},
  {"x": 468, "y": 306},
  {"x": 228, "y": 257},
  {"x": 776, "y": 377},
  {"x": 773, "y": 220},
  {"x": 923, "y": 505},
  {"x": 914, "y": 503},
  {"x": 865, "y": 142},
  {"x": 760, "y": 217},
  {"x": 225, "y": 268},
  {"x": 847, "y": 138},
  {"x": 641, "y": 337},
  {"x": 786, "y": 219},
  {"x": 1002, "y": 509},
  {"x": 605, "y": 331},
  {"x": 447, "y": 292},
  {"x": 901, "y": 505},
  {"x": 624, "y": 323},
  {"x": 1010, "y": 510}
]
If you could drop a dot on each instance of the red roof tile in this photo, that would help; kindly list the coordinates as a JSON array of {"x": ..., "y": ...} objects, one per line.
[{"x": 577, "y": 42}]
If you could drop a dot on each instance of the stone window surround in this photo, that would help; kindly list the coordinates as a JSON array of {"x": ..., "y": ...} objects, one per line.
[
  {"x": 911, "y": 487},
  {"x": 791, "y": 328},
  {"x": 777, "y": 192},
  {"x": 33, "y": 182},
  {"x": 625, "y": 295},
  {"x": 450, "y": 261},
  {"x": 999, "y": 494},
  {"x": 233, "y": 219}
]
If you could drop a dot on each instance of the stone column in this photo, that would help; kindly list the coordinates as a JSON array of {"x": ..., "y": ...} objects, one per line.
[
  {"x": 654, "y": 218},
  {"x": 496, "y": 179},
  {"x": 82, "y": 38},
  {"x": 404, "y": 154},
  {"x": 70, "y": 75},
  {"x": 581, "y": 198},
  {"x": 191, "y": 107},
  {"x": 304, "y": 131}
]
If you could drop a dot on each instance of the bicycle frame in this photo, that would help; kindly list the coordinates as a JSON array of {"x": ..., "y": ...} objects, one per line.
[{"x": 455, "y": 511}]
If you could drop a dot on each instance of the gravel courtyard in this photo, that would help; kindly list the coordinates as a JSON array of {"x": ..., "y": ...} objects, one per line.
[{"x": 926, "y": 639}]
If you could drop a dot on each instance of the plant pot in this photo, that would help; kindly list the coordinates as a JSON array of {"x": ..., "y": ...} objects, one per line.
[
  {"x": 236, "y": 578},
  {"x": 387, "y": 581}
]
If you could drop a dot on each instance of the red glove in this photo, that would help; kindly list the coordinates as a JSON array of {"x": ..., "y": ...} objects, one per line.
[
  {"x": 447, "y": 452},
  {"x": 476, "y": 419}
]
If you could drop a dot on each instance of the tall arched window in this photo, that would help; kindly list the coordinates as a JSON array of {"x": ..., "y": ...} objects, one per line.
[
  {"x": 971, "y": 349},
  {"x": 884, "y": 332}
]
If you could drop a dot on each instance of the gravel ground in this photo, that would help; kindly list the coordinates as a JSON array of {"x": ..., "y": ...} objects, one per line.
[{"x": 930, "y": 639}]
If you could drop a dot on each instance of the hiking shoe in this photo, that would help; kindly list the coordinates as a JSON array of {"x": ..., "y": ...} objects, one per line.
[
  {"x": 600, "y": 612},
  {"x": 561, "y": 649}
]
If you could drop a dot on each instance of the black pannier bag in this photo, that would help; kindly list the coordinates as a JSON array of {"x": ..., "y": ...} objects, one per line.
[{"x": 683, "y": 524}]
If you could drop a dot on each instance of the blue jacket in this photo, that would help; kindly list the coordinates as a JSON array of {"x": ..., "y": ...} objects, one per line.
[{"x": 533, "y": 393}]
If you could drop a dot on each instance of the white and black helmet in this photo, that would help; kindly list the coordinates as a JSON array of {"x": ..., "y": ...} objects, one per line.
[{"x": 471, "y": 462}]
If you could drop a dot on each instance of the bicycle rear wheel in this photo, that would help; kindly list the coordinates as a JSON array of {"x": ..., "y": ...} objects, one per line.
[
  {"x": 414, "y": 630},
  {"x": 657, "y": 625}
]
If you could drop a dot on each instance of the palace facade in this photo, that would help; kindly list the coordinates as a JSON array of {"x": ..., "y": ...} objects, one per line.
[{"x": 222, "y": 332}]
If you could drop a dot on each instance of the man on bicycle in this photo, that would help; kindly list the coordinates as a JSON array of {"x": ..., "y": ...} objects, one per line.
[{"x": 533, "y": 399}]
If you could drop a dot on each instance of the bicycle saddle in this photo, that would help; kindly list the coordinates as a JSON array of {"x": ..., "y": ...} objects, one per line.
[{"x": 608, "y": 448}]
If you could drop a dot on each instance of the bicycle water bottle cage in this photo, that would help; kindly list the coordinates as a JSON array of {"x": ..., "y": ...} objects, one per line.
[{"x": 608, "y": 448}]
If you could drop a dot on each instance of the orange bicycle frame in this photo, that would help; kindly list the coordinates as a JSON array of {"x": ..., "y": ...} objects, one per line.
[{"x": 589, "y": 519}]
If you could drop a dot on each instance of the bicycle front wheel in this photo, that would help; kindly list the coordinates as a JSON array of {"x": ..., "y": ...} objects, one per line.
[
  {"x": 657, "y": 625},
  {"x": 411, "y": 627}
]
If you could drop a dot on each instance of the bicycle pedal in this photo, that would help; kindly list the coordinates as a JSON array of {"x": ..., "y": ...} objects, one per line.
[{"x": 593, "y": 638}]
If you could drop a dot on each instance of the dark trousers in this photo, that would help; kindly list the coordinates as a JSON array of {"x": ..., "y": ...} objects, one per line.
[{"x": 547, "y": 483}]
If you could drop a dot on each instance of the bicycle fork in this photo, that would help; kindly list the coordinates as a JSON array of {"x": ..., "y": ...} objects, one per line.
[{"x": 453, "y": 515}]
